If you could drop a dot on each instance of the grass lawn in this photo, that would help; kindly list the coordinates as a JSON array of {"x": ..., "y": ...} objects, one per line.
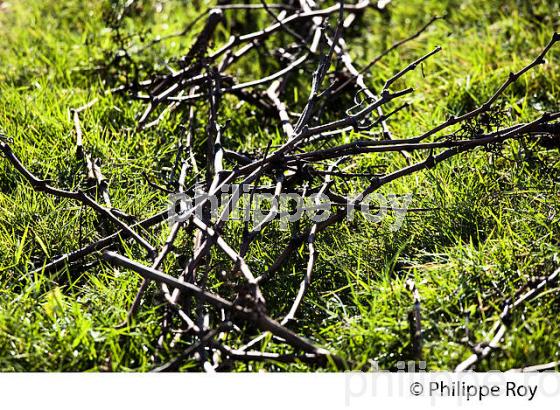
[{"x": 489, "y": 224}]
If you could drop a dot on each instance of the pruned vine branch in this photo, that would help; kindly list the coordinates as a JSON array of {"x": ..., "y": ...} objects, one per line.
[{"x": 197, "y": 86}]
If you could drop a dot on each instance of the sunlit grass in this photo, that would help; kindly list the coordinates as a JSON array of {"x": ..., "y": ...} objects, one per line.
[{"x": 493, "y": 221}]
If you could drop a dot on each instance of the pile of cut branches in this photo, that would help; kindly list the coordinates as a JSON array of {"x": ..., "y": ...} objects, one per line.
[{"x": 307, "y": 45}]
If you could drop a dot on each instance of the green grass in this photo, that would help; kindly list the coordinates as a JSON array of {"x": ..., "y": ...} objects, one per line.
[{"x": 494, "y": 223}]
